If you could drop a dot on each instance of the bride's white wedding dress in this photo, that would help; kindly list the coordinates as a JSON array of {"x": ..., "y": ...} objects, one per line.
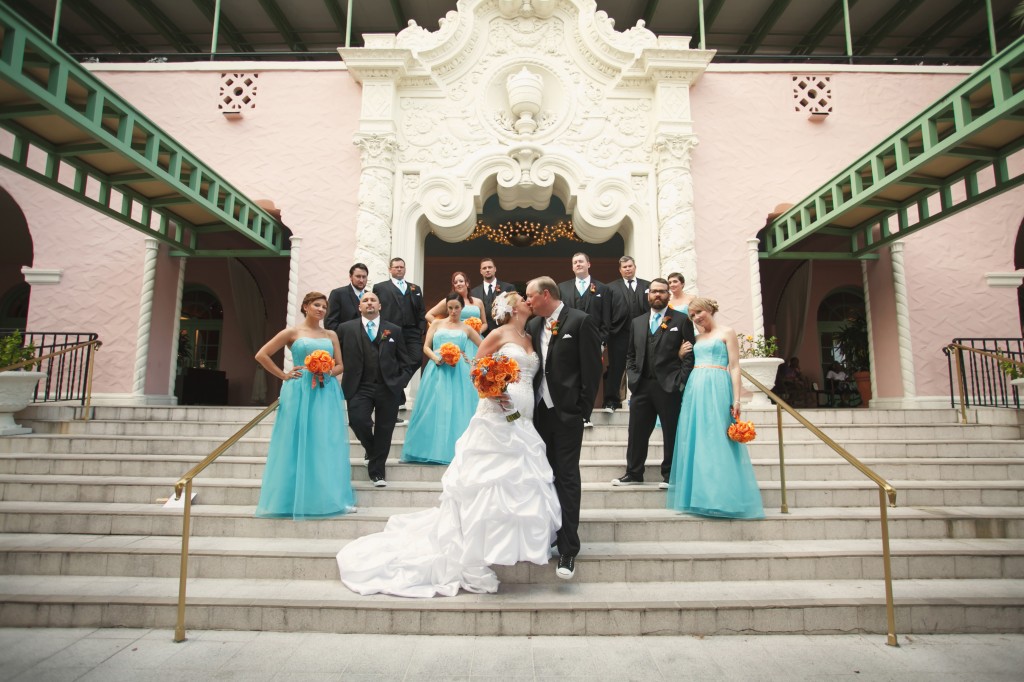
[{"x": 498, "y": 506}]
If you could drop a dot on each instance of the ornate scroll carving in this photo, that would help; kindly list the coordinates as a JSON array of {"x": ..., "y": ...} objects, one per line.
[
  {"x": 376, "y": 200},
  {"x": 676, "y": 220}
]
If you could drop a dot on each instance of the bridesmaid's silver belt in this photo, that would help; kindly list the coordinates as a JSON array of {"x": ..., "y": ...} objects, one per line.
[{"x": 710, "y": 367}]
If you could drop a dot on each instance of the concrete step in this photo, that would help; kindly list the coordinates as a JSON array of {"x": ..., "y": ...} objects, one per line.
[
  {"x": 592, "y": 471},
  {"x": 855, "y": 493},
  {"x": 573, "y": 608},
  {"x": 592, "y": 449},
  {"x": 596, "y": 525},
  {"x": 636, "y": 562}
]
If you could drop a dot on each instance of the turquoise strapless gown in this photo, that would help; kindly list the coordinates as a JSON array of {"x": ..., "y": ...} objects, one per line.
[
  {"x": 445, "y": 403},
  {"x": 308, "y": 474},
  {"x": 711, "y": 474},
  {"x": 468, "y": 312}
]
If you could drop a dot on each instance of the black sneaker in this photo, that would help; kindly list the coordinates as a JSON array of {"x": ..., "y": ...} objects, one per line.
[
  {"x": 566, "y": 567},
  {"x": 627, "y": 480}
]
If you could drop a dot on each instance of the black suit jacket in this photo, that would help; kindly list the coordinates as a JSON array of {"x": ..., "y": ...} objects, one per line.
[
  {"x": 394, "y": 309},
  {"x": 393, "y": 358},
  {"x": 573, "y": 363},
  {"x": 670, "y": 372},
  {"x": 479, "y": 292},
  {"x": 596, "y": 302},
  {"x": 342, "y": 306},
  {"x": 628, "y": 304}
]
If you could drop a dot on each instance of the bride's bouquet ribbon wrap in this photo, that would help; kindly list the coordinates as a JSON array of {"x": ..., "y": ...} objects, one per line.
[
  {"x": 742, "y": 432},
  {"x": 450, "y": 354},
  {"x": 491, "y": 376},
  {"x": 319, "y": 362}
]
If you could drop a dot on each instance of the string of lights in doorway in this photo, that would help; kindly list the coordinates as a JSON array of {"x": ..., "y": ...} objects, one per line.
[{"x": 524, "y": 232}]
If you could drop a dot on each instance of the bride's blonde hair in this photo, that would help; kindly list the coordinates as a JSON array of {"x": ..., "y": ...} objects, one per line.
[{"x": 504, "y": 303}]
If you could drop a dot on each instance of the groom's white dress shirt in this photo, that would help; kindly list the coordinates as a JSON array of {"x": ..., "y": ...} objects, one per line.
[{"x": 545, "y": 339}]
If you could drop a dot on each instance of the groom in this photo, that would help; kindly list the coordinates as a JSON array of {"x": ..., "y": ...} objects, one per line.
[{"x": 568, "y": 343}]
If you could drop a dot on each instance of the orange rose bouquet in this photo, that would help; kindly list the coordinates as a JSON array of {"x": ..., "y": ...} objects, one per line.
[
  {"x": 491, "y": 376},
  {"x": 449, "y": 353},
  {"x": 475, "y": 323},
  {"x": 742, "y": 432},
  {"x": 319, "y": 362}
]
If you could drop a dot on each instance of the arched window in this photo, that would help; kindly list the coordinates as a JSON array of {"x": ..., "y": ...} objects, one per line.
[
  {"x": 202, "y": 319},
  {"x": 14, "y": 307},
  {"x": 835, "y": 309}
]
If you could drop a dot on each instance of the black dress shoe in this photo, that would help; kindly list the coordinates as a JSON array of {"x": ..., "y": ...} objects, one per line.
[
  {"x": 566, "y": 567},
  {"x": 627, "y": 480}
]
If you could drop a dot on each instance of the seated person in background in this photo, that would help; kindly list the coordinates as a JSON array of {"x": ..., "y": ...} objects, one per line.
[
  {"x": 796, "y": 385},
  {"x": 836, "y": 384}
]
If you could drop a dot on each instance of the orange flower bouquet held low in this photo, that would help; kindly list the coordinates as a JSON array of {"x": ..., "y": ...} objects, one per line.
[
  {"x": 449, "y": 353},
  {"x": 742, "y": 432},
  {"x": 491, "y": 376},
  {"x": 474, "y": 323},
  {"x": 319, "y": 362}
]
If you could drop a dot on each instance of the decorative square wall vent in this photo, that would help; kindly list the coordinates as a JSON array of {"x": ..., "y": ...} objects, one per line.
[
  {"x": 237, "y": 91},
  {"x": 812, "y": 94}
]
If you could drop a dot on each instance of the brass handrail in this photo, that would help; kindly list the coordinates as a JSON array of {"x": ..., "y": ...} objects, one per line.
[
  {"x": 185, "y": 484},
  {"x": 885, "y": 490},
  {"x": 88, "y": 370},
  {"x": 960, "y": 370}
]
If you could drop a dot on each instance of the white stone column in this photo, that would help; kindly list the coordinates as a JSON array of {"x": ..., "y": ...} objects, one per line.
[
  {"x": 376, "y": 202},
  {"x": 293, "y": 294},
  {"x": 899, "y": 284},
  {"x": 871, "y": 338},
  {"x": 176, "y": 326},
  {"x": 145, "y": 319},
  {"x": 676, "y": 217},
  {"x": 756, "y": 304}
]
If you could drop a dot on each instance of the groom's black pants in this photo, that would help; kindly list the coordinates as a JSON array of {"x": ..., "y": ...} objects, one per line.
[
  {"x": 563, "y": 442},
  {"x": 372, "y": 413}
]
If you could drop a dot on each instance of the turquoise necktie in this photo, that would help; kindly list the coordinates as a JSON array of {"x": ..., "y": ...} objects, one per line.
[
  {"x": 655, "y": 321},
  {"x": 371, "y": 330}
]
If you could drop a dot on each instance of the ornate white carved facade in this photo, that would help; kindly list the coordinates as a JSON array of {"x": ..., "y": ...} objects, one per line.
[{"x": 526, "y": 99}]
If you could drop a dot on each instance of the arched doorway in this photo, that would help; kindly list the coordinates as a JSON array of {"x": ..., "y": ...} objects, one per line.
[
  {"x": 834, "y": 312},
  {"x": 199, "y": 348},
  {"x": 16, "y": 254}
]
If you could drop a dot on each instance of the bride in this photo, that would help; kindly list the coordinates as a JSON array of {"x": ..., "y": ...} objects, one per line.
[{"x": 498, "y": 503}]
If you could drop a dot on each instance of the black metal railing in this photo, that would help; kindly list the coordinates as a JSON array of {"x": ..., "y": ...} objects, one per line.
[
  {"x": 66, "y": 374},
  {"x": 984, "y": 383}
]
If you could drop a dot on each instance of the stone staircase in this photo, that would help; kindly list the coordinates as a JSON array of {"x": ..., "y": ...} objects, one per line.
[{"x": 86, "y": 542}]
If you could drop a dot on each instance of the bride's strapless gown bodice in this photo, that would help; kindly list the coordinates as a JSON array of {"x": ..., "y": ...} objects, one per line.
[{"x": 498, "y": 506}]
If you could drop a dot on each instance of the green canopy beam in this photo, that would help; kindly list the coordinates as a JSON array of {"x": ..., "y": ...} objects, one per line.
[
  {"x": 885, "y": 26},
  {"x": 821, "y": 29},
  {"x": 935, "y": 33},
  {"x": 234, "y": 37},
  {"x": 44, "y": 23},
  {"x": 953, "y": 155},
  {"x": 107, "y": 26},
  {"x": 163, "y": 24},
  {"x": 284, "y": 27},
  {"x": 768, "y": 20}
]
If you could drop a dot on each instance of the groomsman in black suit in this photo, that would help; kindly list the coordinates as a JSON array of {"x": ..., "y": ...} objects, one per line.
[
  {"x": 629, "y": 299},
  {"x": 343, "y": 303},
  {"x": 587, "y": 294},
  {"x": 568, "y": 343},
  {"x": 656, "y": 376},
  {"x": 377, "y": 368},
  {"x": 489, "y": 288},
  {"x": 401, "y": 303}
]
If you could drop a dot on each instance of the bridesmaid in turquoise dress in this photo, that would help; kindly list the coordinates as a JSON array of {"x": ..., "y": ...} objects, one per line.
[
  {"x": 446, "y": 399},
  {"x": 712, "y": 474},
  {"x": 678, "y": 299},
  {"x": 308, "y": 473},
  {"x": 471, "y": 306}
]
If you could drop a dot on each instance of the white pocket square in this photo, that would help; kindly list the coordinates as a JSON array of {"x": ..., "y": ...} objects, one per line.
[
  {"x": 674, "y": 329},
  {"x": 647, "y": 291},
  {"x": 598, "y": 295},
  {"x": 391, "y": 340},
  {"x": 567, "y": 336}
]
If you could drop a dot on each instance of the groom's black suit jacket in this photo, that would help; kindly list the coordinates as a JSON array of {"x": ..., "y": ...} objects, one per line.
[
  {"x": 481, "y": 293},
  {"x": 396, "y": 367},
  {"x": 573, "y": 363},
  {"x": 670, "y": 372},
  {"x": 342, "y": 306}
]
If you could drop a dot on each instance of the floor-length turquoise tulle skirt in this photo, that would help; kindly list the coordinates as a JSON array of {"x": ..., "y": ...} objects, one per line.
[{"x": 308, "y": 473}]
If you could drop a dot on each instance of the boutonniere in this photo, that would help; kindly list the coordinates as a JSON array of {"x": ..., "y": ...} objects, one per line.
[
  {"x": 553, "y": 326},
  {"x": 497, "y": 288},
  {"x": 593, "y": 289},
  {"x": 385, "y": 334},
  {"x": 412, "y": 288},
  {"x": 665, "y": 322}
]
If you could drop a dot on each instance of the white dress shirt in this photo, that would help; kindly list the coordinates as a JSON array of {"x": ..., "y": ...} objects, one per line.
[{"x": 545, "y": 339}]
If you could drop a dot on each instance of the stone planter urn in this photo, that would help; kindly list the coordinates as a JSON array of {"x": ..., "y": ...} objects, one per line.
[
  {"x": 525, "y": 92},
  {"x": 15, "y": 395},
  {"x": 1017, "y": 382},
  {"x": 764, "y": 370}
]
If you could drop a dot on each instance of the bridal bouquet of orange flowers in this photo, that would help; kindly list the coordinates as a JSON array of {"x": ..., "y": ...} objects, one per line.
[
  {"x": 449, "y": 353},
  {"x": 742, "y": 432},
  {"x": 475, "y": 323},
  {"x": 319, "y": 362},
  {"x": 491, "y": 376}
]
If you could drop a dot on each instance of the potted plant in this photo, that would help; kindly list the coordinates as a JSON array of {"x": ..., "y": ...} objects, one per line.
[
  {"x": 757, "y": 359},
  {"x": 852, "y": 341},
  {"x": 1012, "y": 370},
  {"x": 16, "y": 385}
]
